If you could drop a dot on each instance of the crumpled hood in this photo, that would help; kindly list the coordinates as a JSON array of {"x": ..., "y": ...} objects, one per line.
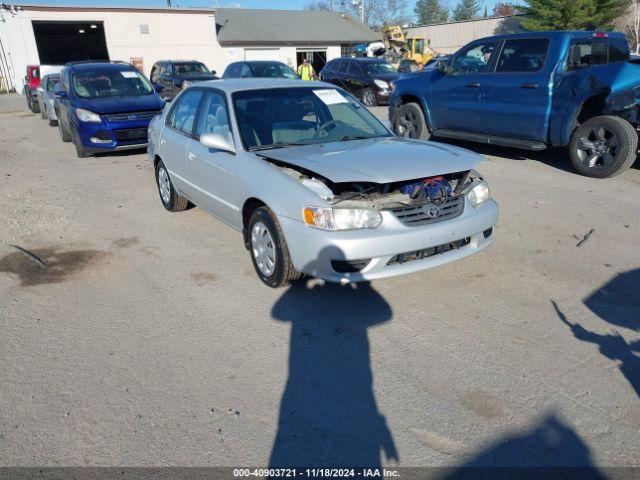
[
  {"x": 379, "y": 160},
  {"x": 135, "y": 103}
]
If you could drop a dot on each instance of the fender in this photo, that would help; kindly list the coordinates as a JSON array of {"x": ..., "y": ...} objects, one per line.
[{"x": 422, "y": 101}]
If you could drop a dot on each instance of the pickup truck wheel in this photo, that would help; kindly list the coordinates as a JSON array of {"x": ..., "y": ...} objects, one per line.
[
  {"x": 410, "y": 122},
  {"x": 603, "y": 146},
  {"x": 168, "y": 195},
  {"x": 269, "y": 251}
]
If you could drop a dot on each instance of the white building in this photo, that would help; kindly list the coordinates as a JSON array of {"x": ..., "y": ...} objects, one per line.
[{"x": 48, "y": 35}]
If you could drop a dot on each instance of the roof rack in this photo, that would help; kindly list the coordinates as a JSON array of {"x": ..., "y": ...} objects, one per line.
[{"x": 80, "y": 62}]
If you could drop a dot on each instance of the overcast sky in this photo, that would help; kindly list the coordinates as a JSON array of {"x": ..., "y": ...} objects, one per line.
[{"x": 279, "y": 4}]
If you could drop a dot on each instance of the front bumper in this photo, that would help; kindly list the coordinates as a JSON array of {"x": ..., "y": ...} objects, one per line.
[
  {"x": 382, "y": 95},
  {"x": 312, "y": 251},
  {"x": 108, "y": 136}
]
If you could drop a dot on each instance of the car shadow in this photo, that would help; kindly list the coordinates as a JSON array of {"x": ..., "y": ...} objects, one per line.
[
  {"x": 557, "y": 158},
  {"x": 328, "y": 414},
  {"x": 550, "y": 449},
  {"x": 617, "y": 303},
  {"x": 121, "y": 153}
]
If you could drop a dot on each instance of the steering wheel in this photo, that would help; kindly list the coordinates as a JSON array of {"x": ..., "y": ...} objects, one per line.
[{"x": 323, "y": 128}]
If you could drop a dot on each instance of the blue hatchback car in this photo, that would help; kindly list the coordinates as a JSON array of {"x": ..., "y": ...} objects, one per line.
[{"x": 105, "y": 106}]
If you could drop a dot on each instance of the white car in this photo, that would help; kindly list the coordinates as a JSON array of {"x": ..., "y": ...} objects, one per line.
[{"x": 316, "y": 183}]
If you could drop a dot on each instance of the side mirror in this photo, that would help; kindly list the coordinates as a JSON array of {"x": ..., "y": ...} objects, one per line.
[
  {"x": 61, "y": 94},
  {"x": 218, "y": 142},
  {"x": 213, "y": 72},
  {"x": 442, "y": 67},
  {"x": 158, "y": 88},
  {"x": 575, "y": 56}
]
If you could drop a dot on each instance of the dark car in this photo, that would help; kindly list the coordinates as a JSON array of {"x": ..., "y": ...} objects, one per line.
[
  {"x": 104, "y": 106},
  {"x": 408, "y": 66},
  {"x": 258, "y": 69},
  {"x": 174, "y": 75},
  {"x": 369, "y": 79}
]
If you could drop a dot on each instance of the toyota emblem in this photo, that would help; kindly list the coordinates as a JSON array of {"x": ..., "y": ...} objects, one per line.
[{"x": 432, "y": 211}]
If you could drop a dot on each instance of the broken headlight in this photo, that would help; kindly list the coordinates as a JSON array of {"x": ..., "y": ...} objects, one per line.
[
  {"x": 479, "y": 193},
  {"x": 327, "y": 218}
]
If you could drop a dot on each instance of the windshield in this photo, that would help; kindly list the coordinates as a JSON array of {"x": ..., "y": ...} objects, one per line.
[
  {"x": 280, "y": 117},
  {"x": 110, "y": 83},
  {"x": 189, "y": 68},
  {"x": 375, "y": 68},
  {"x": 52, "y": 82},
  {"x": 272, "y": 70}
]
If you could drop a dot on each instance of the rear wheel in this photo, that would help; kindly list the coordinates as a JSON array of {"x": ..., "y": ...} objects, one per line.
[
  {"x": 170, "y": 199},
  {"x": 269, "y": 251},
  {"x": 410, "y": 122},
  {"x": 34, "y": 105},
  {"x": 603, "y": 146}
]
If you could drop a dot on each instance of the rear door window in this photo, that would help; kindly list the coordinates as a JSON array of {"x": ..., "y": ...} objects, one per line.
[
  {"x": 183, "y": 115},
  {"x": 523, "y": 55},
  {"x": 354, "y": 69},
  {"x": 342, "y": 67}
]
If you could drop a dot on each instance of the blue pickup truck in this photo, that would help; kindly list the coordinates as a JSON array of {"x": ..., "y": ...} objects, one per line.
[{"x": 532, "y": 91}]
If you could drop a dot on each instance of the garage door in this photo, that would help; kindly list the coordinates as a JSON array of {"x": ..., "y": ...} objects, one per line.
[
  {"x": 262, "y": 54},
  {"x": 62, "y": 42}
]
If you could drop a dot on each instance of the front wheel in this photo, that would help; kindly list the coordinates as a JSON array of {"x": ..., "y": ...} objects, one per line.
[
  {"x": 170, "y": 199},
  {"x": 64, "y": 135},
  {"x": 410, "y": 122},
  {"x": 369, "y": 98},
  {"x": 603, "y": 146},
  {"x": 269, "y": 251}
]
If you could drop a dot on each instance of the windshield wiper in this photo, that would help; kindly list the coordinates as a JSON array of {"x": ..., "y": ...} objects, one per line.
[
  {"x": 346, "y": 138},
  {"x": 276, "y": 145}
]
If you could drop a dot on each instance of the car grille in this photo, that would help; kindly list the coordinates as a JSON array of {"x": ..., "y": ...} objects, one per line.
[
  {"x": 131, "y": 134},
  {"x": 428, "y": 252},
  {"x": 417, "y": 215},
  {"x": 122, "y": 117}
]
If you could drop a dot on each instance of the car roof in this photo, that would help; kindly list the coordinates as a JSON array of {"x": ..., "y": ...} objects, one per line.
[
  {"x": 80, "y": 67},
  {"x": 367, "y": 59},
  {"x": 550, "y": 34},
  {"x": 231, "y": 85}
]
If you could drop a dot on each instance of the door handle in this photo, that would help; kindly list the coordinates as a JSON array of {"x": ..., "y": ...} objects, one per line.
[
  {"x": 473, "y": 84},
  {"x": 192, "y": 156},
  {"x": 529, "y": 85},
  {"x": 162, "y": 141}
]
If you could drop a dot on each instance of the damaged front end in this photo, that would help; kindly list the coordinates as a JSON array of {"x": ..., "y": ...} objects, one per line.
[{"x": 414, "y": 202}]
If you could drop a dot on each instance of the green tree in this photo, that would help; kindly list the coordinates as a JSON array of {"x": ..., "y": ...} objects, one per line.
[
  {"x": 570, "y": 14},
  {"x": 466, "y": 10},
  {"x": 431, "y": 11}
]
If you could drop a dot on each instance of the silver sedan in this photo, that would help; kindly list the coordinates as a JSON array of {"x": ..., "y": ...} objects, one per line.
[
  {"x": 316, "y": 184},
  {"x": 46, "y": 97}
]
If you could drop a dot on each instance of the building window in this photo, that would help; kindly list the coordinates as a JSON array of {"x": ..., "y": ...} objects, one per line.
[
  {"x": 144, "y": 29},
  {"x": 348, "y": 50}
]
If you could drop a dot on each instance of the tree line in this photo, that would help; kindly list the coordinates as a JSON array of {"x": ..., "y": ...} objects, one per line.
[{"x": 540, "y": 14}]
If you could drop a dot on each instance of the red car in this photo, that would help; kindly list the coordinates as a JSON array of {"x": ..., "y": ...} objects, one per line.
[{"x": 31, "y": 84}]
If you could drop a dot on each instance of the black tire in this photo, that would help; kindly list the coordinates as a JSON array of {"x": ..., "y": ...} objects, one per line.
[
  {"x": 53, "y": 123},
  {"x": 35, "y": 106},
  {"x": 173, "y": 201},
  {"x": 410, "y": 122},
  {"x": 369, "y": 97},
  {"x": 603, "y": 146},
  {"x": 64, "y": 135},
  {"x": 81, "y": 150},
  {"x": 284, "y": 272}
]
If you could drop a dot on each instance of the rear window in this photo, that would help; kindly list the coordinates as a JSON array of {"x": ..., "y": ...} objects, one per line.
[
  {"x": 600, "y": 51},
  {"x": 189, "y": 68},
  {"x": 523, "y": 55}
]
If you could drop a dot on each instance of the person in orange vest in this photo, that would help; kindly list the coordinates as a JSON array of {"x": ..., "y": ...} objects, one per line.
[{"x": 306, "y": 71}]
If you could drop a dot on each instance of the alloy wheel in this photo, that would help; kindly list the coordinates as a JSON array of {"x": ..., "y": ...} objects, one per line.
[
  {"x": 263, "y": 249},
  {"x": 598, "y": 149},
  {"x": 369, "y": 98},
  {"x": 407, "y": 125}
]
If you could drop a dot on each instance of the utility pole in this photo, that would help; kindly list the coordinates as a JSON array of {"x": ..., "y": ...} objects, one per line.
[
  {"x": 359, "y": 4},
  {"x": 331, "y": 5}
]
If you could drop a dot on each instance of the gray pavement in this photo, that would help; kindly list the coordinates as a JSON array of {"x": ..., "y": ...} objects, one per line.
[{"x": 149, "y": 340}]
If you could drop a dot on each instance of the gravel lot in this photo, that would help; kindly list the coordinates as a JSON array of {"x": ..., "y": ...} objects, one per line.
[{"x": 149, "y": 340}]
